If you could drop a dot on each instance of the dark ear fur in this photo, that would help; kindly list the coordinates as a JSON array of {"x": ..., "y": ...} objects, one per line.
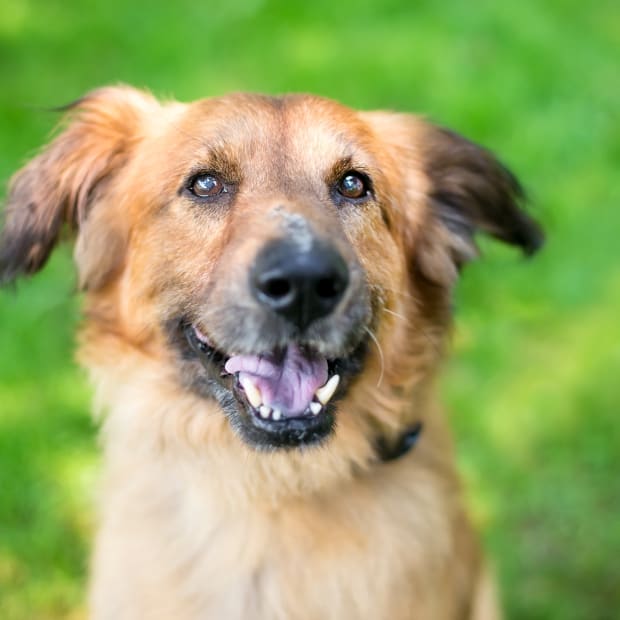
[
  {"x": 472, "y": 191},
  {"x": 453, "y": 189},
  {"x": 60, "y": 186}
]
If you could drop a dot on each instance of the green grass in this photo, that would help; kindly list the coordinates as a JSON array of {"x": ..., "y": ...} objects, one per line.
[{"x": 533, "y": 386}]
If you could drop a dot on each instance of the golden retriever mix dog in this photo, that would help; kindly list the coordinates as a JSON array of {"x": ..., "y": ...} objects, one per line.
[{"x": 267, "y": 286}]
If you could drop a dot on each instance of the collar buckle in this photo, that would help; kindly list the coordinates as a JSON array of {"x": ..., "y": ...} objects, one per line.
[{"x": 403, "y": 444}]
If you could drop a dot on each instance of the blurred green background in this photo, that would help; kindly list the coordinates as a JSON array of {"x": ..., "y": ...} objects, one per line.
[{"x": 533, "y": 387}]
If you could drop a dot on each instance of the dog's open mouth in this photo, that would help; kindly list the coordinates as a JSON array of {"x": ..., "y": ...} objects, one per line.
[
  {"x": 284, "y": 398},
  {"x": 289, "y": 384}
]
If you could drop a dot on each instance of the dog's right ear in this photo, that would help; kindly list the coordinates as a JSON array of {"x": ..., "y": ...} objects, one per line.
[
  {"x": 453, "y": 189},
  {"x": 61, "y": 186}
]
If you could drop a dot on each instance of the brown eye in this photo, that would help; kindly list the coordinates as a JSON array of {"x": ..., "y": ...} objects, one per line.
[
  {"x": 206, "y": 186},
  {"x": 353, "y": 186}
]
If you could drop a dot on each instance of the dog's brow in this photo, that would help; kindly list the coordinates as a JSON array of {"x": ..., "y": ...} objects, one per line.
[
  {"x": 220, "y": 159},
  {"x": 344, "y": 164},
  {"x": 217, "y": 160},
  {"x": 217, "y": 151}
]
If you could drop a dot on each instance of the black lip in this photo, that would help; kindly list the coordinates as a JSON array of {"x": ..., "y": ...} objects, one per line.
[
  {"x": 263, "y": 434},
  {"x": 211, "y": 358},
  {"x": 284, "y": 433}
]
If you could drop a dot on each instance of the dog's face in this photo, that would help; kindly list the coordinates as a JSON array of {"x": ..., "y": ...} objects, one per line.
[
  {"x": 267, "y": 249},
  {"x": 257, "y": 243}
]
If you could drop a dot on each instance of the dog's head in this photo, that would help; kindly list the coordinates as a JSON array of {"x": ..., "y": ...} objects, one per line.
[{"x": 273, "y": 251}]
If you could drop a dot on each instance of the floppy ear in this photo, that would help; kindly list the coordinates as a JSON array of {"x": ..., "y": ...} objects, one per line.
[
  {"x": 63, "y": 184},
  {"x": 469, "y": 191},
  {"x": 465, "y": 190}
]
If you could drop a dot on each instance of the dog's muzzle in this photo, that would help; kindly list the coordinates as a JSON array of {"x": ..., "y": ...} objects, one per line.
[{"x": 283, "y": 394}]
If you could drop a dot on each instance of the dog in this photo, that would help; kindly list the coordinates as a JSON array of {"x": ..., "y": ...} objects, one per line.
[{"x": 267, "y": 289}]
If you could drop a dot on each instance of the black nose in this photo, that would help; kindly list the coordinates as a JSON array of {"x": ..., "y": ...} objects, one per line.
[{"x": 301, "y": 286}]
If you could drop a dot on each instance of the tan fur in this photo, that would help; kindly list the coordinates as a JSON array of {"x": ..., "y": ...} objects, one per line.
[{"x": 194, "y": 524}]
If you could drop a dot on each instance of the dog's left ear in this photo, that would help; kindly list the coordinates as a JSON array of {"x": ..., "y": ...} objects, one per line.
[
  {"x": 471, "y": 191},
  {"x": 465, "y": 190}
]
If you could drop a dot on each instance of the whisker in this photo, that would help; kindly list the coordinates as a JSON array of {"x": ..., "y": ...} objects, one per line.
[
  {"x": 374, "y": 339},
  {"x": 396, "y": 314},
  {"x": 397, "y": 291},
  {"x": 424, "y": 332}
]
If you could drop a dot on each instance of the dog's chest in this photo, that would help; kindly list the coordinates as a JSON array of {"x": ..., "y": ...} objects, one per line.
[
  {"x": 372, "y": 550},
  {"x": 305, "y": 561}
]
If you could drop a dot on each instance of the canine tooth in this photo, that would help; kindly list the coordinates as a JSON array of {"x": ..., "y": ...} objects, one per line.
[
  {"x": 316, "y": 408},
  {"x": 252, "y": 392},
  {"x": 325, "y": 393},
  {"x": 277, "y": 414},
  {"x": 264, "y": 411}
]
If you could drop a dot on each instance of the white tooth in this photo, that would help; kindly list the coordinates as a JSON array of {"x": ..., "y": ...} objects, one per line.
[
  {"x": 277, "y": 414},
  {"x": 325, "y": 393},
  {"x": 316, "y": 408},
  {"x": 264, "y": 411},
  {"x": 252, "y": 392}
]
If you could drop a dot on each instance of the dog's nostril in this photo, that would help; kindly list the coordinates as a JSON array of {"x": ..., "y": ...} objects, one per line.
[
  {"x": 276, "y": 288},
  {"x": 328, "y": 288}
]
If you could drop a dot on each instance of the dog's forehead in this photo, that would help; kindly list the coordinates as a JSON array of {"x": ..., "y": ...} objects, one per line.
[{"x": 283, "y": 131}]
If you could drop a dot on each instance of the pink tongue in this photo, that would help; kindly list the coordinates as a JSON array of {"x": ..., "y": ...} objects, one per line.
[{"x": 288, "y": 383}]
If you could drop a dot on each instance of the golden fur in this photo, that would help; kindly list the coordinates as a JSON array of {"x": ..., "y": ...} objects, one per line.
[{"x": 195, "y": 524}]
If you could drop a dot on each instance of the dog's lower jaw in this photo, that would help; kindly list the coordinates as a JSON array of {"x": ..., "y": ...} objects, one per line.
[{"x": 228, "y": 380}]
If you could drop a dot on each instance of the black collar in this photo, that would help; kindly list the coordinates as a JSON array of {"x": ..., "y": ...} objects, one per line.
[{"x": 388, "y": 451}]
